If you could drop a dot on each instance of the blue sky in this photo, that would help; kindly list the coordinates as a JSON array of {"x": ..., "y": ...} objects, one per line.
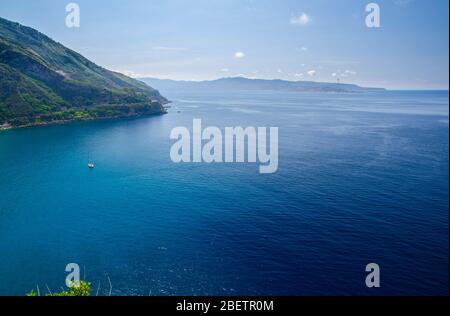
[{"x": 199, "y": 39}]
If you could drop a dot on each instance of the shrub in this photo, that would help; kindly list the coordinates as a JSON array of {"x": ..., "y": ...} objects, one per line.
[{"x": 83, "y": 288}]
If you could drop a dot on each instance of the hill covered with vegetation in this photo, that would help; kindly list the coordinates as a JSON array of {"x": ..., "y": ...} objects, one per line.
[
  {"x": 248, "y": 84},
  {"x": 41, "y": 82}
]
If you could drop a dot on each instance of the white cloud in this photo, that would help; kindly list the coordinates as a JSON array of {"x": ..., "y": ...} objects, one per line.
[
  {"x": 133, "y": 74},
  {"x": 279, "y": 71},
  {"x": 303, "y": 48},
  {"x": 224, "y": 70},
  {"x": 129, "y": 73},
  {"x": 312, "y": 73},
  {"x": 344, "y": 74},
  {"x": 302, "y": 19},
  {"x": 298, "y": 75},
  {"x": 239, "y": 55}
]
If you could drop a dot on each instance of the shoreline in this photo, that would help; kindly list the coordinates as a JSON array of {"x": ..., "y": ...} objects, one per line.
[{"x": 8, "y": 127}]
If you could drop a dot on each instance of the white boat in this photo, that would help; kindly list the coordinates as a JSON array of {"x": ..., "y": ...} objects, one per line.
[{"x": 91, "y": 165}]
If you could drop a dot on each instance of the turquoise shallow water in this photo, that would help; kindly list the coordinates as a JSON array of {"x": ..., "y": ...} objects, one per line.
[{"x": 362, "y": 178}]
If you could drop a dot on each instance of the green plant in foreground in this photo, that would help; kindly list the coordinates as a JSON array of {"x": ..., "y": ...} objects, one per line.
[{"x": 83, "y": 288}]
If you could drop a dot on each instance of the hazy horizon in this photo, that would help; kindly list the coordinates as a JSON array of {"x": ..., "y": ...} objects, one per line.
[{"x": 253, "y": 78}]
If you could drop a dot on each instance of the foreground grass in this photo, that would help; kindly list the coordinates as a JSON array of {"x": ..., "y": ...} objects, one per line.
[{"x": 83, "y": 288}]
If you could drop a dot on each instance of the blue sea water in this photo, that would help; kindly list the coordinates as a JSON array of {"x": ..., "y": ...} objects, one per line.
[{"x": 362, "y": 178}]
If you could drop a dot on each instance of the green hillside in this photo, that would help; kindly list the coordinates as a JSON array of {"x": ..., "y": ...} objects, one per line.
[{"x": 42, "y": 81}]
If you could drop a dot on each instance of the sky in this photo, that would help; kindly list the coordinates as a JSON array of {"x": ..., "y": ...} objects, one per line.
[{"x": 319, "y": 40}]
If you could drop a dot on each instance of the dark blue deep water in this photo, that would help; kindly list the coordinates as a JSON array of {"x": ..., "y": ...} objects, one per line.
[{"x": 362, "y": 178}]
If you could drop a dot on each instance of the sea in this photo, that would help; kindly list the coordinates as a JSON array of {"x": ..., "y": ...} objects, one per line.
[{"x": 362, "y": 178}]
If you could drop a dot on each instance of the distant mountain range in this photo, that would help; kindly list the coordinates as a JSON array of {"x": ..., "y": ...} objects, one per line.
[
  {"x": 41, "y": 81},
  {"x": 241, "y": 83}
]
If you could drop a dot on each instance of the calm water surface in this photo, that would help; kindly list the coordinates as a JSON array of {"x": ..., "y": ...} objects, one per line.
[{"x": 362, "y": 178}]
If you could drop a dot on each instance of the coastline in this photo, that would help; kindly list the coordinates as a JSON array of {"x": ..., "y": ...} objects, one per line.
[{"x": 7, "y": 126}]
